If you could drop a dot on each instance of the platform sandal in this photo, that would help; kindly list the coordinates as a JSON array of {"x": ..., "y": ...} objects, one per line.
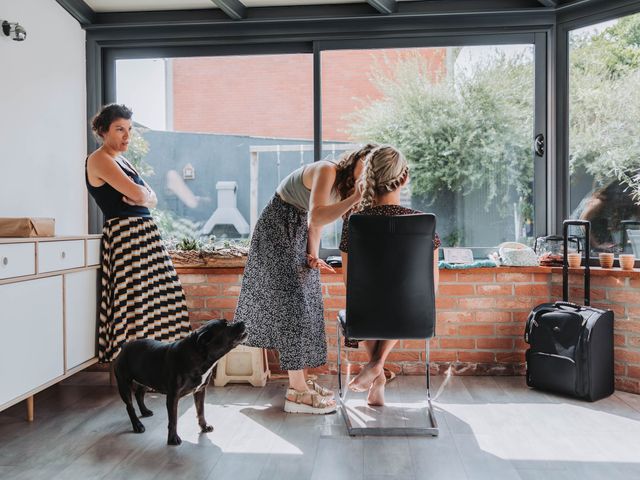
[
  {"x": 324, "y": 391},
  {"x": 294, "y": 403}
]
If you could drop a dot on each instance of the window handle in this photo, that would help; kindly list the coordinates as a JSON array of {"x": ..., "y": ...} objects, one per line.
[{"x": 538, "y": 145}]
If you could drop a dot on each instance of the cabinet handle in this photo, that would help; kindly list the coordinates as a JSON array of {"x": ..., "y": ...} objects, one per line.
[
  {"x": 63, "y": 255},
  {"x": 5, "y": 261}
]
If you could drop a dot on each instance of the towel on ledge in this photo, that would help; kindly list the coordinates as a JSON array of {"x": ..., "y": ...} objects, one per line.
[{"x": 460, "y": 266}]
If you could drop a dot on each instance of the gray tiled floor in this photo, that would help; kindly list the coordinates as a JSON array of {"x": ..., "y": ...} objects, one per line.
[{"x": 490, "y": 427}]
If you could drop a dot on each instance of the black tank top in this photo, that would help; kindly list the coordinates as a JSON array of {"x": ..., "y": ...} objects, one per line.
[{"x": 110, "y": 200}]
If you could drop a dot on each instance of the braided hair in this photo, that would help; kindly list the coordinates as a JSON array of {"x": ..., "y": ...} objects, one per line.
[
  {"x": 385, "y": 170},
  {"x": 345, "y": 182}
]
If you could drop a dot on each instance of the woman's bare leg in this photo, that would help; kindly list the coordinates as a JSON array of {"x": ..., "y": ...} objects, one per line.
[{"x": 378, "y": 355}]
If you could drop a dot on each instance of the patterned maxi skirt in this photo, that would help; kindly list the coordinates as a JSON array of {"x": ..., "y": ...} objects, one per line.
[
  {"x": 141, "y": 294},
  {"x": 281, "y": 298}
]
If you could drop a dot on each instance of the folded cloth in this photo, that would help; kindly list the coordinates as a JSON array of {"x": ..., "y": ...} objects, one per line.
[{"x": 460, "y": 266}]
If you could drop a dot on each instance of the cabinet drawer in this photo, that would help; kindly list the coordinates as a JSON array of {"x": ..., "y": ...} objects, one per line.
[
  {"x": 17, "y": 259},
  {"x": 61, "y": 255},
  {"x": 80, "y": 297},
  {"x": 93, "y": 251}
]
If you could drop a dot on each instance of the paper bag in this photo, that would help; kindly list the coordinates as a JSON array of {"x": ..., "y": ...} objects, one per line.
[{"x": 27, "y": 227}]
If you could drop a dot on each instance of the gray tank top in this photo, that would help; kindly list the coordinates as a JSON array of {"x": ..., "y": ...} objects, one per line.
[{"x": 293, "y": 191}]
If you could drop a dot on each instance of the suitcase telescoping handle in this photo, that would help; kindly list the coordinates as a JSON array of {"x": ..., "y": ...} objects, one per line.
[{"x": 565, "y": 265}]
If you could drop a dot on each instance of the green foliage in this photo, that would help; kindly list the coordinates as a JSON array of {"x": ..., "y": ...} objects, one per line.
[
  {"x": 605, "y": 104},
  {"x": 173, "y": 228},
  {"x": 138, "y": 150},
  {"x": 464, "y": 135}
]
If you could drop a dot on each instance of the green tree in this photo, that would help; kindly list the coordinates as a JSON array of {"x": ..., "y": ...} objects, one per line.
[{"x": 460, "y": 135}]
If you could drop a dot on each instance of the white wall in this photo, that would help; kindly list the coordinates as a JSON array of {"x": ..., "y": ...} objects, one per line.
[{"x": 43, "y": 116}]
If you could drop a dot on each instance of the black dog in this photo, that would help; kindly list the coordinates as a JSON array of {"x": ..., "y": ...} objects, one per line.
[{"x": 175, "y": 369}]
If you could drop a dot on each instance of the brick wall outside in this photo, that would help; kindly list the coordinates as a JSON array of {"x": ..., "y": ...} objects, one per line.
[
  {"x": 480, "y": 317},
  {"x": 272, "y": 95}
]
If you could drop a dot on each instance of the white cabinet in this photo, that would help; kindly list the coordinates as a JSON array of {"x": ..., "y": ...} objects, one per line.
[
  {"x": 17, "y": 259},
  {"x": 80, "y": 316},
  {"x": 48, "y": 302},
  {"x": 61, "y": 255},
  {"x": 31, "y": 339},
  {"x": 93, "y": 251}
]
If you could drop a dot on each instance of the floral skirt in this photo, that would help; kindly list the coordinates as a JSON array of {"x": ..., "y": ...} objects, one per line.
[{"x": 281, "y": 297}]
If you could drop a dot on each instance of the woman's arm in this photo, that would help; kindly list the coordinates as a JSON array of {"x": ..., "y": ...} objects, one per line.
[
  {"x": 321, "y": 210},
  {"x": 105, "y": 168}
]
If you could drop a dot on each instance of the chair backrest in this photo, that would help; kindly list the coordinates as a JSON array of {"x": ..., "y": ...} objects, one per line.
[{"x": 390, "y": 288}]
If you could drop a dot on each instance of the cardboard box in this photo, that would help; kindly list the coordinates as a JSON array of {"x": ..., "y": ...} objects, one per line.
[{"x": 27, "y": 227}]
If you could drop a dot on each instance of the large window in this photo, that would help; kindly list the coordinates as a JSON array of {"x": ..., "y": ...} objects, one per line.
[
  {"x": 215, "y": 135},
  {"x": 463, "y": 117},
  {"x": 604, "y": 146}
]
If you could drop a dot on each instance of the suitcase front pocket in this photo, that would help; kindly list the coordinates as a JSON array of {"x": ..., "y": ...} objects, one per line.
[{"x": 551, "y": 372}]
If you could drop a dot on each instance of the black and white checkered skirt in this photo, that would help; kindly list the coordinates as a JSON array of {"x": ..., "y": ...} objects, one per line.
[
  {"x": 141, "y": 294},
  {"x": 281, "y": 297}
]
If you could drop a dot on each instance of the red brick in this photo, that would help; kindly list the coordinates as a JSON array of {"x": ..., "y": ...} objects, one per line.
[
  {"x": 228, "y": 314},
  {"x": 495, "y": 343},
  {"x": 476, "y": 303},
  {"x": 230, "y": 290},
  {"x": 190, "y": 278},
  {"x": 512, "y": 329},
  {"x": 337, "y": 290},
  {"x": 619, "y": 340},
  {"x": 522, "y": 303},
  {"x": 455, "y": 317},
  {"x": 203, "y": 315},
  {"x": 633, "y": 312},
  {"x": 628, "y": 385},
  {"x": 633, "y": 372},
  {"x": 625, "y": 355},
  {"x": 201, "y": 290},
  {"x": 358, "y": 356},
  {"x": 520, "y": 316},
  {"x": 624, "y": 296},
  {"x": 532, "y": 290},
  {"x": 445, "y": 303},
  {"x": 633, "y": 341},
  {"x": 610, "y": 281},
  {"x": 414, "y": 344},
  {"x": 414, "y": 369},
  {"x": 466, "y": 343},
  {"x": 456, "y": 290},
  {"x": 335, "y": 302},
  {"x": 406, "y": 356},
  {"x": 476, "y": 277},
  {"x": 513, "y": 277},
  {"x": 627, "y": 326},
  {"x": 465, "y": 356},
  {"x": 222, "y": 302},
  {"x": 541, "y": 277},
  {"x": 448, "y": 276},
  {"x": 493, "y": 317},
  {"x": 495, "y": 290},
  {"x": 214, "y": 278},
  {"x": 194, "y": 303},
  {"x": 619, "y": 369},
  {"x": 510, "y": 357},
  {"x": 476, "y": 330},
  {"x": 443, "y": 355}
]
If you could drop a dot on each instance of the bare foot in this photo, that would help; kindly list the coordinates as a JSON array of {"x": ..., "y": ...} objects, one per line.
[
  {"x": 376, "y": 391},
  {"x": 365, "y": 378}
]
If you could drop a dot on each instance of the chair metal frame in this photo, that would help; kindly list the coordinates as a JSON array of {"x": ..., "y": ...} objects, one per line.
[{"x": 432, "y": 430}]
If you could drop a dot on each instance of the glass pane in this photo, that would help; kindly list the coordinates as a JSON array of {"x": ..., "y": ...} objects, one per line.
[
  {"x": 463, "y": 117},
  {"x": 604, "y": 160},
  {"x": 215, "y": 135}
]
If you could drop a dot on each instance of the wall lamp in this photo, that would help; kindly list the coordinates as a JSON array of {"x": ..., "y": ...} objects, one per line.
[{"x": 14, "y": 30}]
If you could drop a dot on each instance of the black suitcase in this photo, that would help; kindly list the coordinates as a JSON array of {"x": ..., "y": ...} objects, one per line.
[{"x": 571, "y": 346}]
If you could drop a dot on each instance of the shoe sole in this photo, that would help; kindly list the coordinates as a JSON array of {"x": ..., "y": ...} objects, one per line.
[{"x": 293, "y": 407}]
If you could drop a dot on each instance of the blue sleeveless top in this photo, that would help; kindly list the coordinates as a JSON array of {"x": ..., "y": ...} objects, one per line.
[{"x": 110, "y": 200}]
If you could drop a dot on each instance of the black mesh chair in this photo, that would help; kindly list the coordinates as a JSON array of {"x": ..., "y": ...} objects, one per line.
[{"x": 390, "y": 294}]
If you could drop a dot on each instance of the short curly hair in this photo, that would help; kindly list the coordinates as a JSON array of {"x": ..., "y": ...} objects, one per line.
[{"x": 101, "y": 122}]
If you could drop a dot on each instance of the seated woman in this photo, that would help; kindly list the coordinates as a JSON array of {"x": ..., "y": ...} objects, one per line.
[{"x": 385, "y": 172}]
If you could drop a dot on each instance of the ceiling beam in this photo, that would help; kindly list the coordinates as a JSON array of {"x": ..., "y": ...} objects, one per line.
[
  {"x": 549, "y": 3},
  {"x": 384, "y": 6},
  {"x": 78, "y": 10},
  {"x": 233, "y": 8}
]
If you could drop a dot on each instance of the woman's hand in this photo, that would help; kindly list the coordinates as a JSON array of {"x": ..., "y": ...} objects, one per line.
[
  {"x": 315, "y": 262},
  {"x": 150, "y": 202}
]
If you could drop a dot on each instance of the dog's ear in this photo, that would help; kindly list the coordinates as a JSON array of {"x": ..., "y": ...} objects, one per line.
[{"x": 204, "y": 337}]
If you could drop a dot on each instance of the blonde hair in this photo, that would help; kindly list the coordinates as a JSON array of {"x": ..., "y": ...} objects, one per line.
[
  {"x": 345, "y": 182},
  {"x": 385, "y": 170}
]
